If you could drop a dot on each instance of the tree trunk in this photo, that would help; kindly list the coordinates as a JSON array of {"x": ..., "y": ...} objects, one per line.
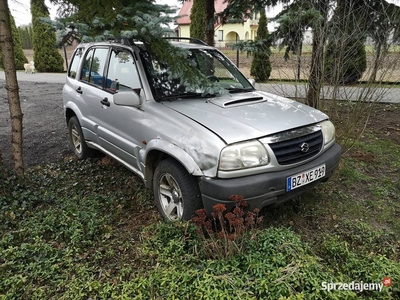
[
  {"x": 65, "y": 57},
  {"x": 317, "y": 58},
  {"x": 210, "y": 8},
  {"x": 7, "y": 47},
  {"x": 315, "y": 79},
  {"x": 299, "y": 53}
]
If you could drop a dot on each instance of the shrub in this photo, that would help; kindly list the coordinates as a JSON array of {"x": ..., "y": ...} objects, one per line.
[
  {"x": 261, "y": 65},
  {"x": 19, "y": 55},
  {"x": 226, "y": 234},
  {"x": 198, "y": 23},
  {"x": 345, "y": 62},
  {"x": 46, "y": 55}
]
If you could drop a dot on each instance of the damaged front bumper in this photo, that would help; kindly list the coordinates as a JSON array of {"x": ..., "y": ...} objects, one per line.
[{"x": 267, "y": 188}]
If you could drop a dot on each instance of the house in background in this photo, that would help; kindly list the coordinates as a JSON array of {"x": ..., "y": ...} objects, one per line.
[{"x": 224, "y": 34}]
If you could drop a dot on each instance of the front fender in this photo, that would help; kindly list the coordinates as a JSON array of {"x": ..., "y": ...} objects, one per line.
[{"x": 171, "y": 150}]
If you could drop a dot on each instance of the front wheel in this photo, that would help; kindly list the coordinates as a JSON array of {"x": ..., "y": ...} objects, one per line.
[{"x": 176, "y": 192}]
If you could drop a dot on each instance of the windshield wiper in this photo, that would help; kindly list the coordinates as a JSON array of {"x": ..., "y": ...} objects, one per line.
[
  {"x": 187, "y": 96},
  {"x": 239, "y": 90}
]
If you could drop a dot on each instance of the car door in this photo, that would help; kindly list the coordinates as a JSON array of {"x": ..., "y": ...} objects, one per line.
[
  {"x": 89, "y": 91},
  {"x": 120, "y": 128}
]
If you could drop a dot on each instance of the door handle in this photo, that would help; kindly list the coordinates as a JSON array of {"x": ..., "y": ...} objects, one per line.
[
  {"x": 79, "y": 90},
  {"x": 105, "y": 102}
]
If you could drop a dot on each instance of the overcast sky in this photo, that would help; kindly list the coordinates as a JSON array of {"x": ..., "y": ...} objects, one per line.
[{"x": 20, "y": 9}]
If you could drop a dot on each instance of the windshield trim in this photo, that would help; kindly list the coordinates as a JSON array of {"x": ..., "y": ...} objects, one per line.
[{"x": 187, "y": 95}]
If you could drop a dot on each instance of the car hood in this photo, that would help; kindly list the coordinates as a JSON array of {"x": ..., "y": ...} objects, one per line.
[{"x": 246, "y": 116}]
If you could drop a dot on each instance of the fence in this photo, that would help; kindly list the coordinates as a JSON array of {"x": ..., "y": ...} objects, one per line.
[{"x": 297, "y": 68}]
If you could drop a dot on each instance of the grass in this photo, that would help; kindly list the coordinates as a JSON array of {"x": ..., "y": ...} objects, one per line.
[{"x": 89, "y": 230}]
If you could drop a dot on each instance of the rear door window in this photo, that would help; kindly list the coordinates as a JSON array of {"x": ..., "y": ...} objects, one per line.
[{"x": 93, "y": 66}]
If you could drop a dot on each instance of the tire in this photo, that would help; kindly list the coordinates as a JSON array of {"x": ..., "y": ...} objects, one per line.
[
  {"x": 77, "y": 139},
  {"x": 176, "y": 192}
]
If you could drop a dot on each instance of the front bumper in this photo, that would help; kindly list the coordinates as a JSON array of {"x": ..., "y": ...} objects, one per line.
[{"x": 267, "y": 188}]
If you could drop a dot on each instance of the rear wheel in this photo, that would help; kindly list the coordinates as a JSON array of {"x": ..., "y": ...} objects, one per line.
[
  {"x": 176, "y": 192},
  {"x": 77, "y": 140}
]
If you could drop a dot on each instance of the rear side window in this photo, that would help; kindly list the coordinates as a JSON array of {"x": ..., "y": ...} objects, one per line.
[
  {"x": 93, "y": 66},
  {"x": 73, "y": 69}
]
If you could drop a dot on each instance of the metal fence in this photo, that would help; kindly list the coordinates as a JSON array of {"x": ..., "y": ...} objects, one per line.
[{"x": 297, "y": 68}]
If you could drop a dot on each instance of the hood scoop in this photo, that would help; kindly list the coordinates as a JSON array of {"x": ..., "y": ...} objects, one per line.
[{"x": 232, "y": 102}]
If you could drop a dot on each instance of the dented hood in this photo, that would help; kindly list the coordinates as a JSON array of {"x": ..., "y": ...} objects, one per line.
[{"x": 246, "y": 116}]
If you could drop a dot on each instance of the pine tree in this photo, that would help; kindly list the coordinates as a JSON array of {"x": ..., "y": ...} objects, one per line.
[
  {"x": 261, "y": 65},
  {"x": 198, "y": 19},
  {"x": 26, "y": 36},
  {"x": 20, "y": 58},
  {"x": 141, "y": 20},
  {"x": 346, "y": 58},
  {"x": 19, "y": 55},
  {"x": 46, "y": 56}
]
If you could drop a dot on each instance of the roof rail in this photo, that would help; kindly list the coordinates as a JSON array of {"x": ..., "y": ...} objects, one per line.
[
  {"x": 126, "y": 41},
  {"x": 192, "y": 40},
  {"x": 129, "y": 41},
  {"x": 118, "y": 40}
]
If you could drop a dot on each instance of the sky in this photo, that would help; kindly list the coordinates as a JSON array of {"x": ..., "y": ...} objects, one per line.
[{"x": 20, "y": 9}]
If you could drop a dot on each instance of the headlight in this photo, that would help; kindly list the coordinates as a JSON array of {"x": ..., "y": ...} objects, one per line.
[
  {"x": 243, "y": 155},
  {"x": 328, "y": 130}
]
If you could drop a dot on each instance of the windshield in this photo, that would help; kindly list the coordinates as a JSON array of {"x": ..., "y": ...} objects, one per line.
[{"x": 213, "y": 65}]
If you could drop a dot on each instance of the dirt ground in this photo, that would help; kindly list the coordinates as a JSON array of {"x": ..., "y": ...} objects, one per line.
[
  {"x": 385, "y": 122},
  {"x": 45, "y": 132},
  {"x": 46, "y": 136}
]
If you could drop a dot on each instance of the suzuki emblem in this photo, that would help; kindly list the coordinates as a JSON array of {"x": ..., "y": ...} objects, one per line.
[{"x": 304, "y": 147}]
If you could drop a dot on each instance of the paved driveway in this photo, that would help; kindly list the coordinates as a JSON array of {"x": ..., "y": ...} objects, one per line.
[
  {"x": 38, "y": 77},
  {"x": 349, "y": 93},
  {"x": 45, "y": 131}
]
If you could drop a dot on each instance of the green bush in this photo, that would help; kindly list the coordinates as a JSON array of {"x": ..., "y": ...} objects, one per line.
[
  {"x": 46, "y": 55},
  {"x": 19, "y": 55},
  {"x": 198, "y": 23},
  {"x": 345, "y": 62},
  {"x": 261, "y": 65}
]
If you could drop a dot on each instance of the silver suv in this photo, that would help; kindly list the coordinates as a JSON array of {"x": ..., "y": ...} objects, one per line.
[{"x": 194, "y": 149}]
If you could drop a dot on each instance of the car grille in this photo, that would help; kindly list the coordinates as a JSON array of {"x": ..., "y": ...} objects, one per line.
[{"x": 294, "y": 150}]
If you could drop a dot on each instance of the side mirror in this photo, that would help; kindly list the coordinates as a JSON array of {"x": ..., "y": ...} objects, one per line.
[
  {"x": 252, "y": 81},
  {"x": 127, "y": 98}
]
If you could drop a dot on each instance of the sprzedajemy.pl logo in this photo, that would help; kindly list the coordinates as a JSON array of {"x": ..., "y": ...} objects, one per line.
[{"x": 356, "y": 286}]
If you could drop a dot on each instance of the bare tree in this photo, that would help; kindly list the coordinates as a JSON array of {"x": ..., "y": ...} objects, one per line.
[
  {"x": 315, "y": 80},
  {"x": 210, "y": 10},
  {"x": 7, "y": 47}
]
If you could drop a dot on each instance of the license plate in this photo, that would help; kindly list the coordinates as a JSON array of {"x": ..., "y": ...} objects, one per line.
[{"x": 301, "y": 179}]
